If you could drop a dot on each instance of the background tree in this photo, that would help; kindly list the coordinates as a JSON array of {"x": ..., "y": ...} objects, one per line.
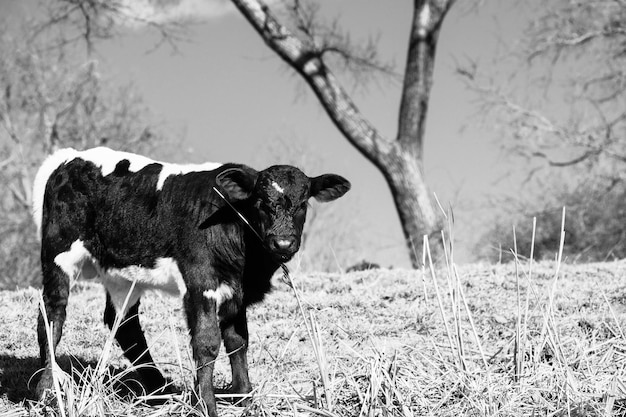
[
  {"x": 307, "y": 47},
  {"x": 559, "y": 102},
  {"x": 51, "y": 97}
]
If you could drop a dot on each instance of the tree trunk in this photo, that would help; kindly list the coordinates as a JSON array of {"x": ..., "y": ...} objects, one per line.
[{"x": 412, "y": 198}]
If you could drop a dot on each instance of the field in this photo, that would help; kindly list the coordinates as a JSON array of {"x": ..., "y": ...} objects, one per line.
[{"x": 548, "y": 344}]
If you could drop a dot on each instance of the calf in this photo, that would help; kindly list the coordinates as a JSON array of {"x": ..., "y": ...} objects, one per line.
[{"x": 177, "y": 228}]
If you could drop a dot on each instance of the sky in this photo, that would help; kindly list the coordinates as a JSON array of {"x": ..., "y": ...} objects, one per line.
[{"x": 233, "y": 100}]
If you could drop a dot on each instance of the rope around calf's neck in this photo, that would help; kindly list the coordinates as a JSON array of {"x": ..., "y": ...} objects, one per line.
[{"x": 286, "y": 276}]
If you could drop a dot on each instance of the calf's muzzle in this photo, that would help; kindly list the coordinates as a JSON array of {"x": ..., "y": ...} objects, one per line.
[{"x": 283, "y": 245}]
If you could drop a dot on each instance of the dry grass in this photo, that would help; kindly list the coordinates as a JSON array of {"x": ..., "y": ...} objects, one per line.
[{"x": 481, "y": 340}]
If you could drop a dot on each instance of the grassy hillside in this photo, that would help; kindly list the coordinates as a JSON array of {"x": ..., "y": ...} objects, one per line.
[{"x": 385, "y": 348}]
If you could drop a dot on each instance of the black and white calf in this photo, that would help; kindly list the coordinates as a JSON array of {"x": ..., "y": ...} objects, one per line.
[{"x": 123, "y": 218}]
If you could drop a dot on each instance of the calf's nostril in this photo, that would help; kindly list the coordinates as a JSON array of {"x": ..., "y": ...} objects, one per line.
[{"x": 283, "y": 244}]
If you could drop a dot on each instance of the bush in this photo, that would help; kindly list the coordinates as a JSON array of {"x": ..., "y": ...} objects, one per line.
[
  {"x": 595, "y": 223},
  {"x": 51, "y": 99}
]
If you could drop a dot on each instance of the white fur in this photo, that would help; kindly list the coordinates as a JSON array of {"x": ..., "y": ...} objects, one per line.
[
  {"x": 106, "y": 159},
  {"x": 175, "y": 169},
  {"x": 278, "y": 187},
  {"x": 222, "y": 293},
  {"x": 71, "y": 261},
  {"x": 165, "y": 276},
  {"x": 118, "y": 290}
]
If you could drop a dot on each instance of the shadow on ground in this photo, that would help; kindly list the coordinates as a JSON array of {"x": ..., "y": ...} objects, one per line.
[
  {"x": 19, "y": 376},
  {"x": 15, "y": 374}
]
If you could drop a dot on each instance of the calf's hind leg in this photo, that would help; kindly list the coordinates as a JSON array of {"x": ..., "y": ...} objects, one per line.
[
  {"x": 56, "y": 289},
  {"x": 131, "y": 339}
]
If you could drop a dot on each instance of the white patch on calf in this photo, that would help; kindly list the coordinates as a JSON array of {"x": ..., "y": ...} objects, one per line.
[
  {"x": 107, "y": 159},
  {"x": 175, "y": 169},
  {"x": 278, "y": 187},
  {"x": 118, "y": 290},
  {"x": 165, "y": 276},
  {"x": 176, "y": 284},
  {"x": 71, "y": 261},
  {"x": 222, "y": 293}
]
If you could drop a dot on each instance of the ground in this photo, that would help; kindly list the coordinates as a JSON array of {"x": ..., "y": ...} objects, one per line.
[{"x": 377, "y": 344}]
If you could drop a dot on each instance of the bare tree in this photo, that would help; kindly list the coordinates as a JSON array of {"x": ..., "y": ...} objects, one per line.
[
  {"x": 400, "y": 159},
  {"x": 558, "y": 102},
  {"x": 561, "y": 100},
  {"x": 84, "y": 22},
  {"x": 51, "y": 99}
]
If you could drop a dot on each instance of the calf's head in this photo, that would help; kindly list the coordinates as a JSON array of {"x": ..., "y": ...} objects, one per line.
[{"x": 277, "y": 199}]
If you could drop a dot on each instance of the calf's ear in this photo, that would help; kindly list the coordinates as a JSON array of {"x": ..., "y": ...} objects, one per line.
[
  {"x": 328, "y": 187},
  {"x": 237, "y": 183}
]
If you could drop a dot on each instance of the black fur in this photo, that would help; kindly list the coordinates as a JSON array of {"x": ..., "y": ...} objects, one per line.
[{"x": 123, "y": 221}]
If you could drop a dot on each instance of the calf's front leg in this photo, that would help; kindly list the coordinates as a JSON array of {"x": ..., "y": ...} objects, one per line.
[
  {"x": 235, "y": 335},
  {"x": 205, "y": 343}
]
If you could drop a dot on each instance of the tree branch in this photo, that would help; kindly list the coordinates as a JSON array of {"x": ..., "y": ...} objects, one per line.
[
  {"x": 534, "y": 132},
  {"x": 89, "y": 21},
  {"x": 309, "y": 64},
  {"x": 574, "y": 161},
  {"x": 328, "y": 39},
  {"x": 6, "y": 116}
]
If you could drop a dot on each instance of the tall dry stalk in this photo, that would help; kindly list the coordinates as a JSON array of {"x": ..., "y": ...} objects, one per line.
[{"x": 315, "y": 337}]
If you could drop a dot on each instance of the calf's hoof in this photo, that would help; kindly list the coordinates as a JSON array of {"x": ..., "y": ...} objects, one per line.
[
  {"x": 45, "y": 386},
  {"x": 206, "y": 411},
  {"x": 241, "y": 396},
  {"x": 205, "y": 408}
]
